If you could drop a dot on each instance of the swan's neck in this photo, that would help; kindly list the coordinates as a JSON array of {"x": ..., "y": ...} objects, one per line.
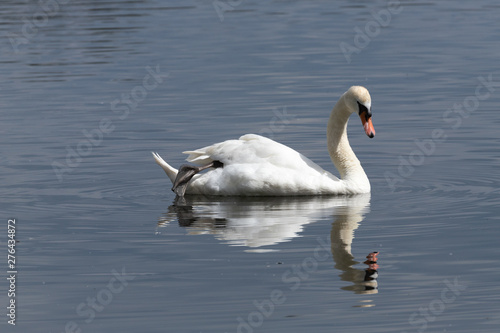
[{"x": 341, "y": 153}]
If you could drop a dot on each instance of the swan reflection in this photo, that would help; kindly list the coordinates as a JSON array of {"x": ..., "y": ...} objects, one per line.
[{"x": 262, "y": 222}]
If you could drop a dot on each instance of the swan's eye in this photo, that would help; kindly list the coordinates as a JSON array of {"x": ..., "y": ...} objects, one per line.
[{"x": 362, "y": 109}]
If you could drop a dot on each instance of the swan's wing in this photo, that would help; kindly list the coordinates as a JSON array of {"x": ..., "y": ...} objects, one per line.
[
  {"x": 282, "y": 156},
  {"x": 255, "y": 165},
  {"x": 252, "y": 149}
]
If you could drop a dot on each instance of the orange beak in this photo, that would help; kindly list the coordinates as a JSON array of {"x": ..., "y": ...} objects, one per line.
[{"x": 367, "y": 124}]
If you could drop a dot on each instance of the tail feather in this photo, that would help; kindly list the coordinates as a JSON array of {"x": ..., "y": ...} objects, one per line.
[{"x": 171, "y": 172}]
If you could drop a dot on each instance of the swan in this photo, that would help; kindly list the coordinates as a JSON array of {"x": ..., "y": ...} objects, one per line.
[{"x": 255, "y": 165}]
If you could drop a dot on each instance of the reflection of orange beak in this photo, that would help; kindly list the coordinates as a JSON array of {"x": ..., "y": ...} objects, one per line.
[
  {"x": 367, "y": 124},
  {"x": 372, "y": 256}
]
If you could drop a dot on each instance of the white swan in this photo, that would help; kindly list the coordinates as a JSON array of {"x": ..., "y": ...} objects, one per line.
[{"x": 257, "y": 166}]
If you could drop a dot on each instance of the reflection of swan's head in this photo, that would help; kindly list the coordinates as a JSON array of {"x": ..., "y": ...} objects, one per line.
[{"x": 357, "y": 100}]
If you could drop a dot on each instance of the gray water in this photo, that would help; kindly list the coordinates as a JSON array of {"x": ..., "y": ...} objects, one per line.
[{"x": 101, "y": 245}]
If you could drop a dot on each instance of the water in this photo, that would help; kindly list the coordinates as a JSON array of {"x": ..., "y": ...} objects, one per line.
[{"x": 101, "y": 245}]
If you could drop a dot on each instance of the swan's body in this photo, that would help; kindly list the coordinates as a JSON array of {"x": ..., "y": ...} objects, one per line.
[{"x": 257, "y": 166}]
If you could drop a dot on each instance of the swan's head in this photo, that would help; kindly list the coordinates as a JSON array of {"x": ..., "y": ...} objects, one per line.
[{"x": 358, "y": 100}]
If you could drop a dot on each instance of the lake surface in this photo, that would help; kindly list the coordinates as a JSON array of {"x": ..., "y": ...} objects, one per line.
[{"x": 90, "y": 88}]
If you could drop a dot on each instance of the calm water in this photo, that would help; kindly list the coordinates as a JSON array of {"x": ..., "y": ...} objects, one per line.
[{"x": 90, "y": 88}]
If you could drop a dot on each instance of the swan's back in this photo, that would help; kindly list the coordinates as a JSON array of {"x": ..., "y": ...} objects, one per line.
[{"x": 255, "y": 165}]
